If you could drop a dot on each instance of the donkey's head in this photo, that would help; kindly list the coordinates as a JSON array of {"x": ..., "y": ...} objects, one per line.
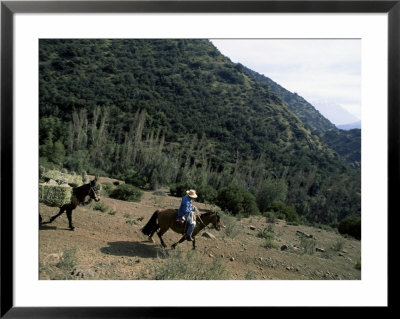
[{"x": 94, "y": 191}]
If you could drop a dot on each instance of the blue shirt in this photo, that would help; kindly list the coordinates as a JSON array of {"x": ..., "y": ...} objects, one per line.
[{"x": 186, "y": 206}]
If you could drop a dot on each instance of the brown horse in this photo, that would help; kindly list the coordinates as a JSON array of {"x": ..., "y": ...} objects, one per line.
[
  {"x": 162, "y": 220},
  {"x": 78, "y": 197}
]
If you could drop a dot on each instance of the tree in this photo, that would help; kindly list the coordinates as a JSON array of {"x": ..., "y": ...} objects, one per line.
[
  {"x": 237, "y": 201},
  {"x": 271, "y": 190},
  {"x": 351, "y": 225}
]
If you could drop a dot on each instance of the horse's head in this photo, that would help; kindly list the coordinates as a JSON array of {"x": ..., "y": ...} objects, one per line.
[
  {"x": 94, "y": 192},
  {"x": 217, "y": 223}
]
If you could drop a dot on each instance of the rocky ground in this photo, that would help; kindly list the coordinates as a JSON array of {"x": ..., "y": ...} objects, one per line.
[{"x": 109, "y": 245}]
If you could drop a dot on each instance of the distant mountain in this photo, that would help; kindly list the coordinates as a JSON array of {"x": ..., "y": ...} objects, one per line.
[
  {"x": 350, "y": 126},
  {"x": 306, "y": 112},
  {"x": 347, "y": 145},
  {"x": 334, "y": 112}
]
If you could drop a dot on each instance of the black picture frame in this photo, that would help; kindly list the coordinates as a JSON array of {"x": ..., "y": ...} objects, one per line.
[{"x": 9, "y": 8}]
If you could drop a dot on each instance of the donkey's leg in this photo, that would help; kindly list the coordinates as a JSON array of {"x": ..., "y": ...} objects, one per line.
[
  {"x": 62, "y": 210},
  {"x": 69, "y": 215}
]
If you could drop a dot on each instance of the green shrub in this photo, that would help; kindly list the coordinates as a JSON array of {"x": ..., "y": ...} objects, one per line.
[
  {"x": 351, "y": 225},
  {"x": 106, "y": 188},
  {"x": 112, "y": 212},
  {"x": 178, "y": 266},
  {"x": 265, "y": 234},
  {"x": 270, "y": 217},
  {"x": 250, "y": 275},
  {"x": 288, "y": 212},
  {"x": 207, "y": 194},
  {"x": 268, "y": 238},
  {"x": 68, "y": 259},
  {"x": 101, "y": 207},
  {"x": 269, "y": 243},
  {"x": 237, "y": 201},
  {"x": 127, "y": 192},
  {"x": 338, "y": 245},
  {"x": 230, "y": 225},
  {"x": 308, "y": 245}
]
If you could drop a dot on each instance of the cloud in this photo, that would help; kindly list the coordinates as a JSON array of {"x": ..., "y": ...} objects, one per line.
[{"x": 315, "y": 69}]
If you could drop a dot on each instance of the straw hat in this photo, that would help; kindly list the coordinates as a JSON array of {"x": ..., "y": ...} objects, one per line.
[{"x": 191, "y": 193}]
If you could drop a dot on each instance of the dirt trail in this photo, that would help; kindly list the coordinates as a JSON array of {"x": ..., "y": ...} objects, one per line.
[{"x": 110, "y": 246}]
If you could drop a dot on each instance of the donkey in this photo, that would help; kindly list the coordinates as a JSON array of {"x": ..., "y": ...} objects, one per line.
[{"x": 78, "y": 197}]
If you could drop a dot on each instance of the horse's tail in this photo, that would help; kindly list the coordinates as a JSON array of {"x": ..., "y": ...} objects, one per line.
[{"x": 151, "y": 224}]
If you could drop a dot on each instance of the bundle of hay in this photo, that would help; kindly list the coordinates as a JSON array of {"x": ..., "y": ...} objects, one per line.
[
  {"x": 62, "y": 178},
  {"x": 54, "y": 195}
]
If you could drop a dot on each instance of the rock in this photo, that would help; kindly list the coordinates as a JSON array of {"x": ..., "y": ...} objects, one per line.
[
  {"x": 284, "y": 247},
  {"x": 82, "y": 272},
  {"x": 211, "y": 255},
  {"x": 300, "y": 233},
  {"x": 208, "y": 235},
  {"x": 320, "y": 250},
  {"x": 253, "y": 227},
  {"x": 232, "y": 259},
  {"x": 53, "y": 259}
]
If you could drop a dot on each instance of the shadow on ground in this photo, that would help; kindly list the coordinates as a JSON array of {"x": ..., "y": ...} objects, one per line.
[
  {"x": 144, "y": 249},
  {"x": 44, "y": 227}
]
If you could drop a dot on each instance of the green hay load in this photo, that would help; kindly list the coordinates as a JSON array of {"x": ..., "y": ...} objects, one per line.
[
  {"x": 54, "y": 195},
  {"x": 63, "y": 178}
]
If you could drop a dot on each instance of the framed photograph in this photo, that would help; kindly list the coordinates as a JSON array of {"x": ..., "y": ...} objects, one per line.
[{"x": 112, "y": 137}]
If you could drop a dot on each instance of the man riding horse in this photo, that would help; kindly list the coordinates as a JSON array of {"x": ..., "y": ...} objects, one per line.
[{"x": 186, "y": 213}]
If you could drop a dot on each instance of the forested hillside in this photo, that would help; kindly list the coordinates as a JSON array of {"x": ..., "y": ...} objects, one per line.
[{"x": 177, "y": 112}]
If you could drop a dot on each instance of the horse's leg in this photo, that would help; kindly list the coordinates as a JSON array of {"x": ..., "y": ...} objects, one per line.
[
  {"x": 69, "y": 215},
  {"x": 157, "y": 227},
  {"x": 194, "y": 242},
  {"x": 62, "y": 209},
  {"x": 160, "y": 233},
  {"x": 180, "y": 241}
]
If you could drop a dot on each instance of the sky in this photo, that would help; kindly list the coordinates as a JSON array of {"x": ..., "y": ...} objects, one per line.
[{"x": 324, "y": 72}]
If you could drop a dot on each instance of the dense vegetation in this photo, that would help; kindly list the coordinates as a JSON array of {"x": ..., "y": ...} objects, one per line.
[{"x": 167, "y": 112}]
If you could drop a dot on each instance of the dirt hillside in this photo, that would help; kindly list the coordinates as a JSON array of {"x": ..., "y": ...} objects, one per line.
[{"x": 109, "y": 245}]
